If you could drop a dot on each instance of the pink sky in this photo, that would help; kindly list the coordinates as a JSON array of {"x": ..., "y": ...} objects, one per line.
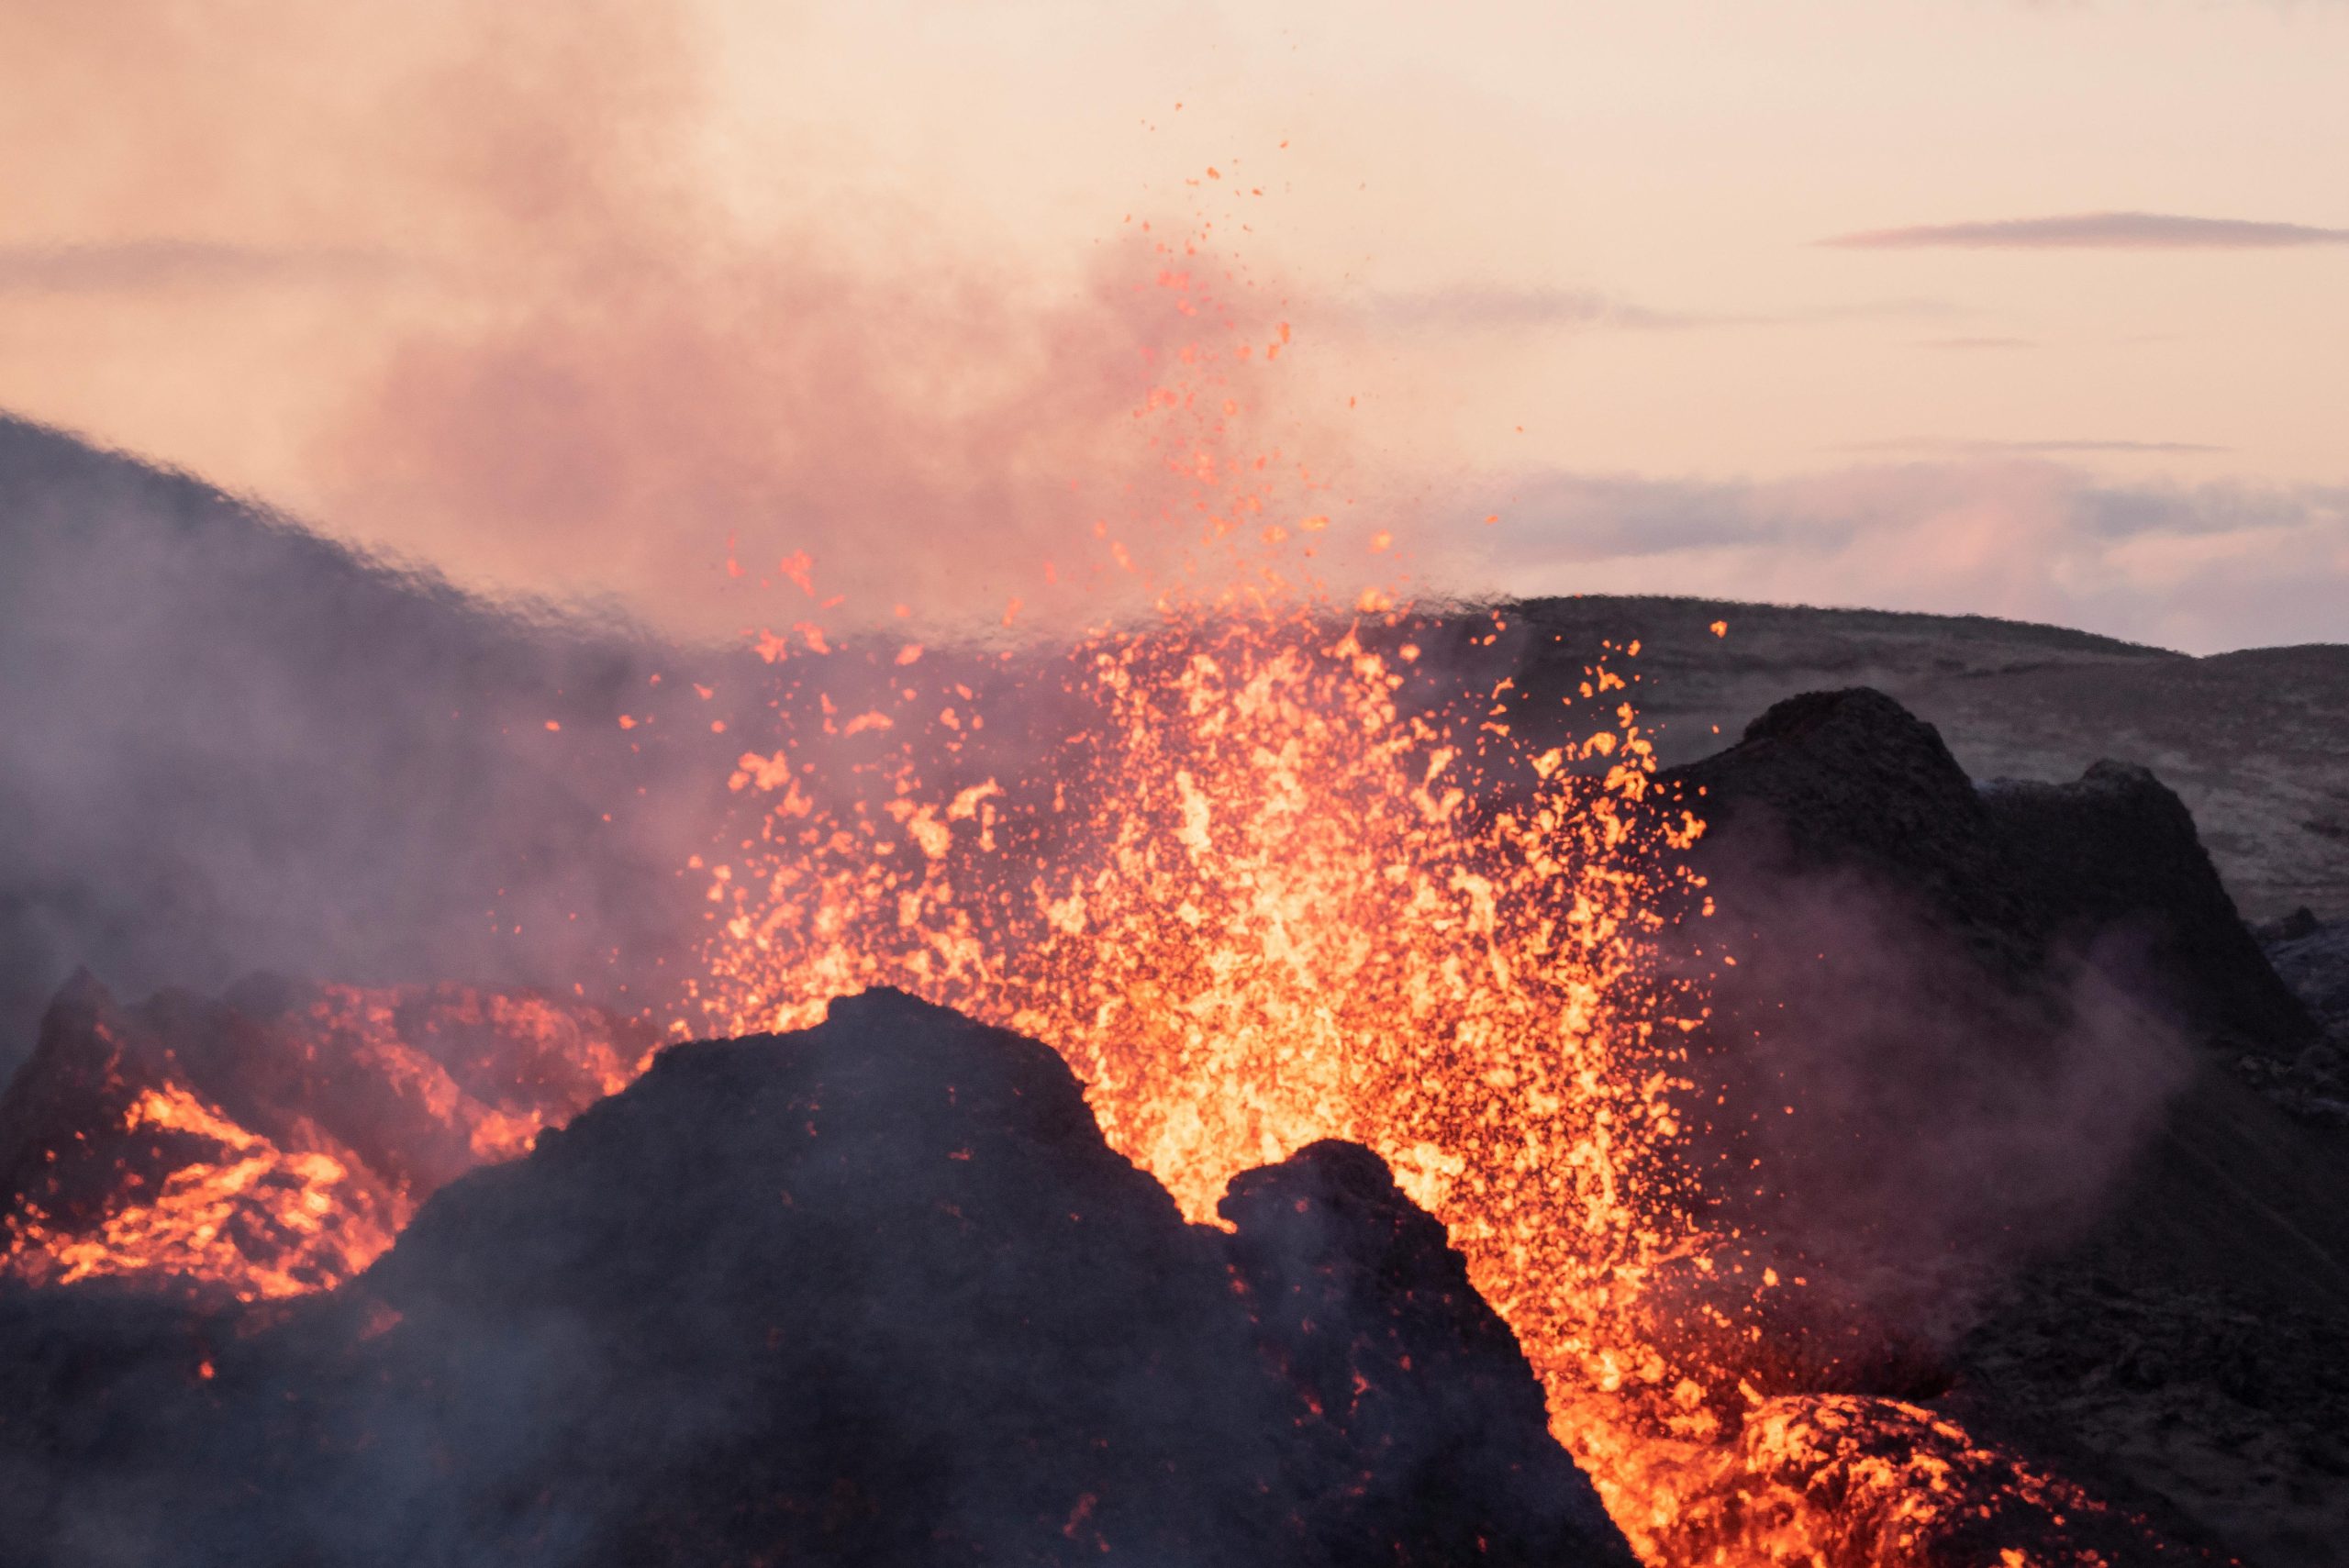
[{"x": 2023, "y": 309}]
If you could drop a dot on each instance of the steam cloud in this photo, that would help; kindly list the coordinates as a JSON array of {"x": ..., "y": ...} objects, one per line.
[
  {"x": 584, "y": 365},
  {"x": 1915, "y": 1131},
  {"x": 226, "y": 744}
]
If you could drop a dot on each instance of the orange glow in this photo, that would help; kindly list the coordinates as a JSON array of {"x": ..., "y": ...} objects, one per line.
[
  {"x": 262, "y": 1221},
  {"x": 1256, "y": 900},
  {"x": 309, "y": 1185},
  {"x": 1259, "y": 904}
]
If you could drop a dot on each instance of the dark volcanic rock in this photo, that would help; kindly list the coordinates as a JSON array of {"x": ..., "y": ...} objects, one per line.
[
  {"x": 2025, "y": 874},
  {"x": 2312, "y": 958},
  {"x": 1931, "y": 1032},
  {"x": 1853, "y": 775},
  {"x": 873, "y": 1293},
  {"x": 2118, "y": 851},
  {"x": 1428, "y": 1416},
  {"x": 1968, "y": 1130}
]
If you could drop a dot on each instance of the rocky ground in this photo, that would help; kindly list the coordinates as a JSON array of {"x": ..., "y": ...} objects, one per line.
[
  {"x": 877, "y": 1293},
  {"x": 2194, "y": 1344},
  {"x": 2182, "y": 1333},
  {"x": 2313, "y": 960},
  {"x": 2255, "y": 743}
]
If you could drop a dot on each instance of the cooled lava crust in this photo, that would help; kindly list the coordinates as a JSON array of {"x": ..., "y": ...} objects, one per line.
[{"x": 877, "y": 1293}]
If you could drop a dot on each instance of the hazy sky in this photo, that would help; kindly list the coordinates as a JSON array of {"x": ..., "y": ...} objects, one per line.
[{"x": 2028, "y": 309}]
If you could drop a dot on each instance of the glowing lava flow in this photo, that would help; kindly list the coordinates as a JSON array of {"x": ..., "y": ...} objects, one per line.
[
  {"x": 268, "y": 1152},
  {"x": 240, "y": 1213}
]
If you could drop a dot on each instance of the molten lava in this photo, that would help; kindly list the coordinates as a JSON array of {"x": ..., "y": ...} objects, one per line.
[
  {"x": 1260, "y": 903},
  {"x": 239, "y": 1213},
  {"x": 275, "y": 1147}
]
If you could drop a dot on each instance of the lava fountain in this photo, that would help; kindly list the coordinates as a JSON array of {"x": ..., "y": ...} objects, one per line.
[
  {"x": 1264, "y": 875},
  {"x": 1260, "y": 903},
  {"x": 1269, "y": 890}
]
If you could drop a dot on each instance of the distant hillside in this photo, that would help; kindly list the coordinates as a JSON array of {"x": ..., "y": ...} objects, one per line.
[
  {"x": 2256, "y": 743},
  {"x": 226, "y": 743}
]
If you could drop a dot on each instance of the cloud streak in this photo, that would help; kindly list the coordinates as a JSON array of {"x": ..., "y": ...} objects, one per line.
[
  {"x": 1473, "y": 308},
  {"x": 2094, "y": 231},
  {"x": 2058, "y": 448},
  {"x": 1479, "y": 308},
  {"x": 2202, "y": 568},
  {"x": 141, "y": 266}
]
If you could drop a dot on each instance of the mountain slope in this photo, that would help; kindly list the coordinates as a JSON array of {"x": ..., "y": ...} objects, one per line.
[{"x": 226, "y": 743}]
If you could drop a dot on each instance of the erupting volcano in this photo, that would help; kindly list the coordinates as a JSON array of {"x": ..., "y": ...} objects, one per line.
[{"x": 1281, "y": 875}]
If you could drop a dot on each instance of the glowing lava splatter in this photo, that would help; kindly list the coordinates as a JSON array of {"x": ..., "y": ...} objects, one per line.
[
  {"x": 1261, "y": 881},
  {"x": 274, "y": 1150},
  {"x": 237, "y": 1212}
]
